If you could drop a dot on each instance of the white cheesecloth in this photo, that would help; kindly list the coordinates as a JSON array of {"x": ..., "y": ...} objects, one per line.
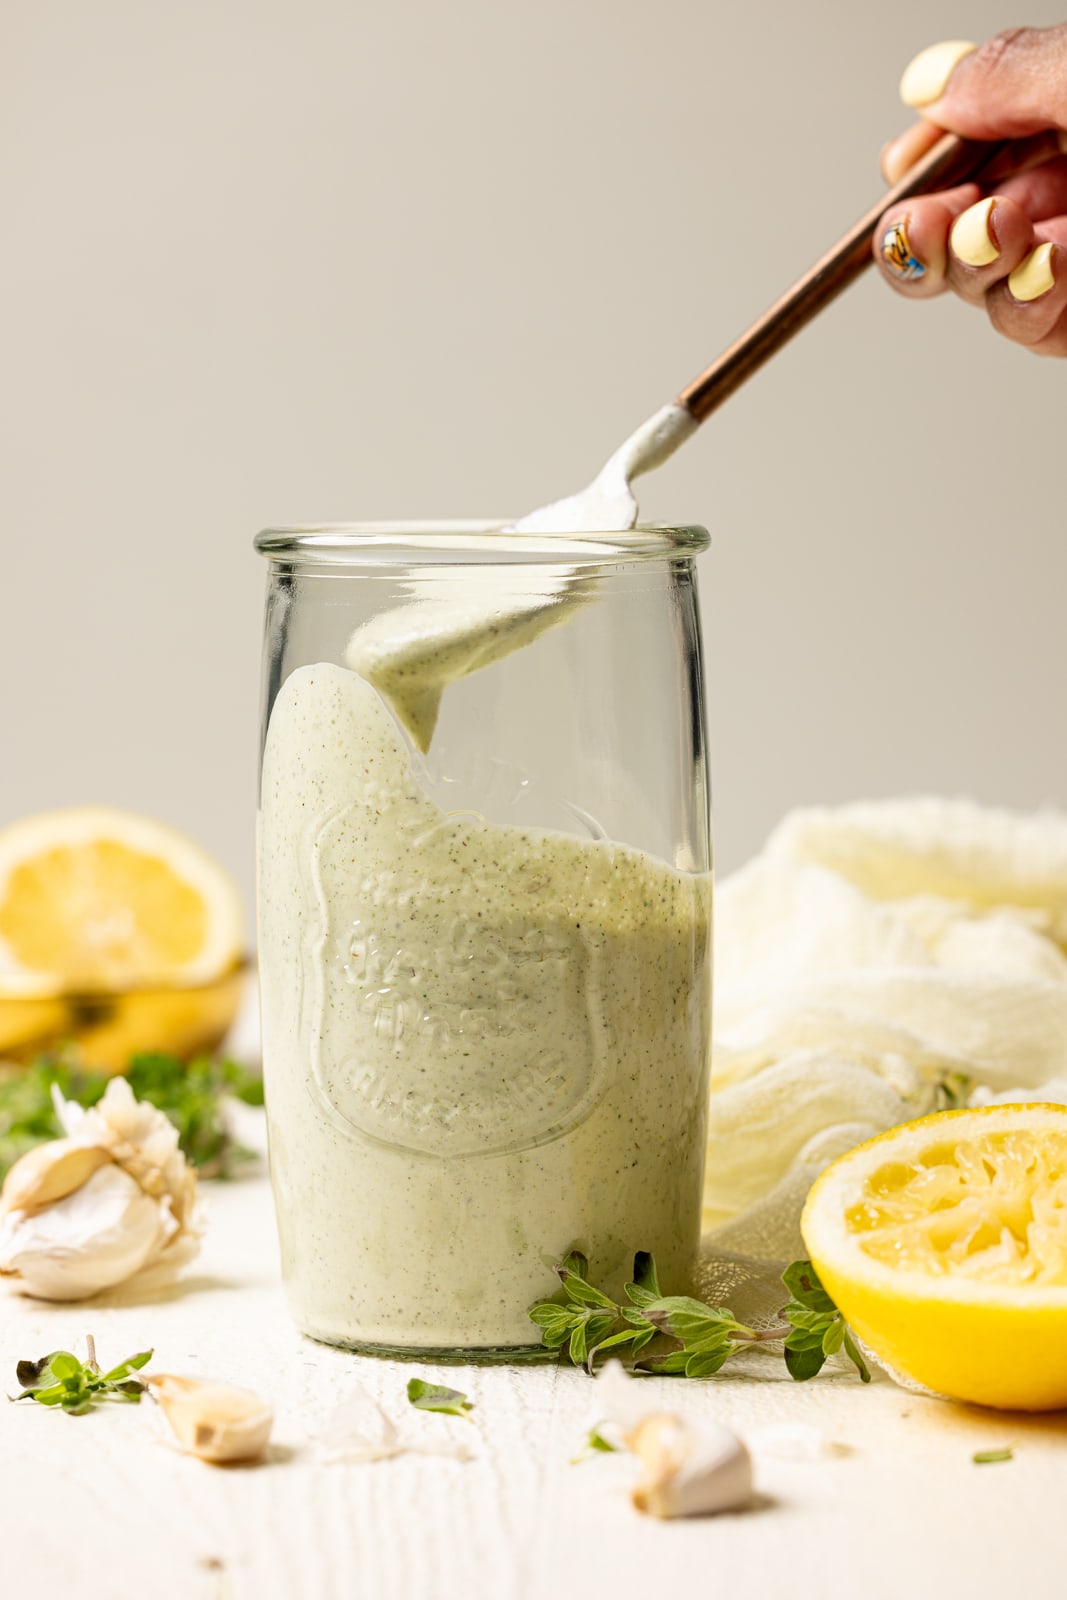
[{"x": 873, "y": 963}]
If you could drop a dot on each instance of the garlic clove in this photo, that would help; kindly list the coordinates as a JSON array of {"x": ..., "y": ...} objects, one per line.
[
  {"x": 49, "y": 1172},
  {"x": 93, "y": 1238},
  {"x": 690, "y": 1469},
  {"x": 214, "y": 1421}
]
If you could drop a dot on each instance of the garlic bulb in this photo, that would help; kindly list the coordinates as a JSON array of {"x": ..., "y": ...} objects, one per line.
[
  {"x": 88, "y": 1211},
  {"x": 212, "y": 1420}
]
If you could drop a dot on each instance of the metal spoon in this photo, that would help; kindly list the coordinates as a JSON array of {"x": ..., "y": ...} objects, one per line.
[
  {"x": 412, "y": 653},
  {"x": 607, "y": 505}
]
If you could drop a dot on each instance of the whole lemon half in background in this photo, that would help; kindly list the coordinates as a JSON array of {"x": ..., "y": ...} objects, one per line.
[
  {"x": 944, "y": 1244},
  {"x": 118, "y": 934}
]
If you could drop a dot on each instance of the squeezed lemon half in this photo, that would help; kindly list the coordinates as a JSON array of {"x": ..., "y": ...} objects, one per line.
[{"x": 944, "y": 1243}]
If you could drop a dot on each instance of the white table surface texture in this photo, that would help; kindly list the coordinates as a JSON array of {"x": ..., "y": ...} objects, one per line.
[{"x": 98, "y": 1508}]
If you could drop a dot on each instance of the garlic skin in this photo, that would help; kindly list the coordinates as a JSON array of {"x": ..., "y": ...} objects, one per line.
[
  {"x": 214, "y": 1421},
  {"x": 358, "y": 1430},
  {"x": 94, "y": 1238},
  {"x": 88, "y": 1211},
  {"x": 140, "y": 1139}
]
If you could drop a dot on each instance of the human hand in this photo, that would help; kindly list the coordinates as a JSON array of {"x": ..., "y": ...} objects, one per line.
[{"x": 999, "y": 244}]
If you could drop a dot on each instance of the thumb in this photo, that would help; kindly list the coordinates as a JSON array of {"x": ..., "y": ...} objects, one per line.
[{"x": 1014, "y": 85}]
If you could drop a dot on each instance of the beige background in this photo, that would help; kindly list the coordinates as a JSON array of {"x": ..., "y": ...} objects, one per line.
[{"x": 286, "y": 261}]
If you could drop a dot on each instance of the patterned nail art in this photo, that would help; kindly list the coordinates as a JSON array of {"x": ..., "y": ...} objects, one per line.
[{"x": 897, "y": 253}]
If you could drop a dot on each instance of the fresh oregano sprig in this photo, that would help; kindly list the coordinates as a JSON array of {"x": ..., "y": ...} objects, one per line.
[
  {"x": 60, "y": 1379},
  {"x": 680, "y": 1335},
  {"x": 819, "y": 1329}
]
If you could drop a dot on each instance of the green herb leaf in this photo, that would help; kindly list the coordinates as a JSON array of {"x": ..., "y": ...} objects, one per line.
[
  {"x": 674, "y": 1361},
  {"x": 124, "y": 1368},
  {"x": 53, "y": 1396},
  {"x": 703, "y": 1363},
  {"x": 854, "y": 1356},
  {"x": 803, "y": 1283},
  {"x": 582, "y": 1292},
  {"x": 615, "y": 1341},
  {"x": 30, "y": 1374},
  {"x": 60, "y": 1379},
  {"x": 433, "y": 1397},
  {"x": 574, "y": 1261},
  {"x": 687, "y": 1336},
  {"x": 690, "y": 1320},
  {"x": 578, "y": 1347},
  {"x": 982, "y": 1458},
  {"x": 645, "y": 1286},
  {"x": 804, "y": 1364},
  {"x": 595, "y": 1443}
]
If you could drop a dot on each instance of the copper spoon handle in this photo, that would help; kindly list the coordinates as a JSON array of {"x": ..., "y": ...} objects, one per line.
[{"x": 952, "y": 160}]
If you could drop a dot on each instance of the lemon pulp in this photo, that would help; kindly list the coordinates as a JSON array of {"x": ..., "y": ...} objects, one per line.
[
  {"x": 100, "y": 911},
  {"x": 991, "y": 1208}
]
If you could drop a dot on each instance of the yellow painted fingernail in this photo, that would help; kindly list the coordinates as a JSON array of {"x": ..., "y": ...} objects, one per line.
[
  {"x": 972, "y": 235},
  {"x": 1034, "y": 276},
  {"x": 925, "y": 78}
]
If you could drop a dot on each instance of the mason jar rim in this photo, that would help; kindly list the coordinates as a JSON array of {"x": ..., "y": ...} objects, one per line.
[{"x": 455, "y": 542}]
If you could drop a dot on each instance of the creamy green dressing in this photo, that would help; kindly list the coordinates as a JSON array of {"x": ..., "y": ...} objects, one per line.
[
  {"x": 413, "y": 652},
  {"x": 484, "y": 1044}
]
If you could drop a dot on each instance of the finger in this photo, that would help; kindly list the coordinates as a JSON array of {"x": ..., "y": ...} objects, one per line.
[
  {"x": 1012, "y": 86},
  {"x": 901, "y": 153},
  {"x": 1055, "y": 341},
  {"x": 1022, "y": 154},
  {"x": 911, "y": 241},
  {"x": 986, "y": 244},
  {"x": 1031, "y": 304},
  {"x": 1040, "y": 192}
]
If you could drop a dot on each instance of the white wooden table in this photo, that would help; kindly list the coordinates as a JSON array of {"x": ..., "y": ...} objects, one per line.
[{"x": 96, "y": 1507}]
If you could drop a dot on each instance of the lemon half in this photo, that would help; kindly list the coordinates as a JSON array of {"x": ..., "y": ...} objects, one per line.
[
  {"x": 944, "y": 1244},
  {"x": 96, "y": 899}
]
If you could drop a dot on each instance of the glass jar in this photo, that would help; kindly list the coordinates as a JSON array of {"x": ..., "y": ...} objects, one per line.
[{"x": 484, "y": 922}]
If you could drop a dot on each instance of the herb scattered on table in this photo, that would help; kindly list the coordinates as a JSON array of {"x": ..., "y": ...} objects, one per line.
[
  {"x": 432, "y": 1397},
  {"x": 983, "y": 1458},
  {"x": 190, "y": 1093},
  {"x": 60, "y": 1379},
  {"x": 595, "y": 1444},
  {"x": 680, "y": 1335}
]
